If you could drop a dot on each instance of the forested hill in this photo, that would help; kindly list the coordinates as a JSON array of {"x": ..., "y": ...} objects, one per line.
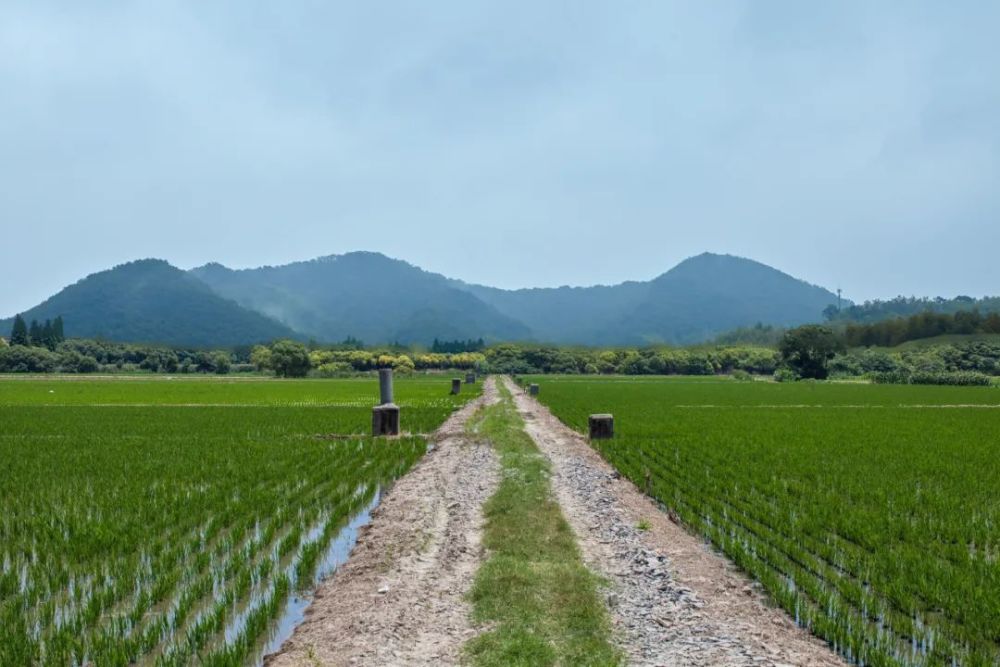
[
  {"x": 377, "y": 299},
  {"x": 363, "y": 295},
  {"x": 695, "y": 301},
  {"x": 151, "y": 301}
]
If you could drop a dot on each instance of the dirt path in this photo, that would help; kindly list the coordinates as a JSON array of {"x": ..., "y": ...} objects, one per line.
[
  {"x": 673, "y": 600},
  {"x": 399, "y": 598}
]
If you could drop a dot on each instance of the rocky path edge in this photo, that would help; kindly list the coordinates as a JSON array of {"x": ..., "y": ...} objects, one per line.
[{"x": 673, "y": 600}]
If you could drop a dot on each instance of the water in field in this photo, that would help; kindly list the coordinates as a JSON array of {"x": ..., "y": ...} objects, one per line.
[
  {"x": 336, "y": 554},
  {"x": 176, "y": 522}
]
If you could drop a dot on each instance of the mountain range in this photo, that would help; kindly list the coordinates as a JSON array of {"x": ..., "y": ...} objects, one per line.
[{"x": 378, "y": 299}]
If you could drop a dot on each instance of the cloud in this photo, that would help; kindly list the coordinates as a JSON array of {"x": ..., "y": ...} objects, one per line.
[{"x": 508, "y": 143}]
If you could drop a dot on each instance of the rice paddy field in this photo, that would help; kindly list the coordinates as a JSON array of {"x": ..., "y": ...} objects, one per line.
[
  {"x": 870, "y": 513},
  {"x": 169, "y": 521}
]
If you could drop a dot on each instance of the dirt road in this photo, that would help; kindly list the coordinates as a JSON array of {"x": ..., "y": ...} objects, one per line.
[
  {"x": 673, "y": 600},
  {"x": 399, "y": 598}
]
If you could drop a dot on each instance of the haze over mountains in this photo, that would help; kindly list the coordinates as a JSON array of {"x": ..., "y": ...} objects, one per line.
[{"x": 379, "y": 300}]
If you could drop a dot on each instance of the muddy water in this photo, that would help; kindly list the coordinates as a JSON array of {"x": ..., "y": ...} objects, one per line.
[{"x": 335, "y": 555}]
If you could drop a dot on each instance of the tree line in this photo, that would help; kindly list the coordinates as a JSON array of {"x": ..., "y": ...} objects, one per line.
[
  {"x": 927, "y": 324},
  {"x": 455, "y": 346},
  {"x": 901, "y": 306},
  {"x": 47, "y": 335}
]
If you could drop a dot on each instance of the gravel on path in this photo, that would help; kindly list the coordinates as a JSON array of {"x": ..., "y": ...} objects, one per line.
[{"x": 672, "y": 599}]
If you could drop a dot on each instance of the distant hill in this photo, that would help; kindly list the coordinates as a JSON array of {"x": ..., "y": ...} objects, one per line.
[
  {"x": 707, "y": 295},
  {"x": 695, "y": 301},
  {"x": 378, "y": 299},
  {"x": 365, "y": 295},
  {"x": 151, "y": 301}
]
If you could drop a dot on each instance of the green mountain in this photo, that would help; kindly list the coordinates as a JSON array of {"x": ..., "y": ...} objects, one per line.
[
  {"x": 695, "y": 301},
  {"x": 151, "y": 301},
  {"x": 710, "y": 294},
  {"x": 365, "y": 295},
  {"x": 381, "y": 300}
]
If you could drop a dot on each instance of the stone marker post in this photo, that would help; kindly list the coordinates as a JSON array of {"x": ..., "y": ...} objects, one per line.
[
  {"x": 470, "y": 378},
  {"x": 602, "y": 427},
  {"x": 385, "y": 417},
  {"x": 533, "y": 389},
  {"x": 385, "y": 385},
  {"x": 456, "y": 385}
]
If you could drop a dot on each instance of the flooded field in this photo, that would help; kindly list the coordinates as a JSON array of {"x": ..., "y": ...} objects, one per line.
[{"x": 169, "y": 521}]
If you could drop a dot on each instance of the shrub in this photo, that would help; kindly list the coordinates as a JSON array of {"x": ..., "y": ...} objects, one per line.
[
  {"x": 741, "y": 375},
  {"x": 334, "y": 369},
  {"x": 956, "y": 379},
  {"x": 21, "y": 359},
  {"x": 785, "y": 375},
  {"x": 71, "y": 361}
]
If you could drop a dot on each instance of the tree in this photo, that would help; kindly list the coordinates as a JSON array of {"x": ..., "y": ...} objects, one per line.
[
  {"x": 48, "y": 337},
  {"x": 290, "y": 359},
  {"x": 34, "y": 334},
  {"x": 222, "y": 362},
  {"x": 808, "y": 349},
  {"x": 57, "y": 329},
  {"x": 261, "y": 357},
  {"x": 19, "y": 333}
]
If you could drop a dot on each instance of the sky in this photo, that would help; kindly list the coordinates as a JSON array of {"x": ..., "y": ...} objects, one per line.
[{"x": 851, "y": 144}]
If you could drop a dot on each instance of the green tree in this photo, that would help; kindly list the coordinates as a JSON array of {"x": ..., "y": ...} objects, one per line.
[
  {"x": 48, "y": 337},
  {"x": 34, "y": 334},
  {"x": 261, "y": 357},
  {"x": 57, "y": 330},
  {"x": 808, "y": 349},
  {"x": 222, "y": 361},
  {"x": 290, "y": 359},
  {"x": 19, "y": 332}
]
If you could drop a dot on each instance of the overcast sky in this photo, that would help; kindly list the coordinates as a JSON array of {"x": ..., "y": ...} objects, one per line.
[{"x": 513, "y": 144}]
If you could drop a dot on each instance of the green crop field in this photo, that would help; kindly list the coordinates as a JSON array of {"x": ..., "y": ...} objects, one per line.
[
  {"x": 870, "y": 513},
  {"x": 168, "y": 521}
]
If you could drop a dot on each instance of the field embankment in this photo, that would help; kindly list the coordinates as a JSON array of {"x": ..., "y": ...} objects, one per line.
[
  {"x": 535, "y": 600},
  {"x": 399, "y": 599}
]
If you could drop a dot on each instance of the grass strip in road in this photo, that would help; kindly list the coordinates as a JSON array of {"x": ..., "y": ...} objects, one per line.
[{"x": 541, "y": 604}]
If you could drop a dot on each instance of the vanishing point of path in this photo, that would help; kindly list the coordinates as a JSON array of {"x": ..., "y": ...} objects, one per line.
[{"x": 401, "y": 597}]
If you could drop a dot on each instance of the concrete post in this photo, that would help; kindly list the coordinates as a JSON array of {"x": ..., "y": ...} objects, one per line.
[
  {"x": 456, "y": 385},
  {"x": 602, "y": 426},
  {"x": 470, "y": 378},
  {"x": 533, "y": 389},
  {"x": 385, "y": 420},
  {"x": 385, "y": 385}
]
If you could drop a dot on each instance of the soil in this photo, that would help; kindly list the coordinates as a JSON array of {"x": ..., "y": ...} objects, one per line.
[{"x": 399, "y": 599}]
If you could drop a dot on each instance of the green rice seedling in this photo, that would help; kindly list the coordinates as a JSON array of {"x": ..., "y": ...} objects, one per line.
[
  {"x": 139, "y": 518},
  {"x": 870, "y": 513}
]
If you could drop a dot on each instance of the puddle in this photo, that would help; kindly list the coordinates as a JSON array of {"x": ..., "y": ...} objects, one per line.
[{"x": 298, "y": 601}]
